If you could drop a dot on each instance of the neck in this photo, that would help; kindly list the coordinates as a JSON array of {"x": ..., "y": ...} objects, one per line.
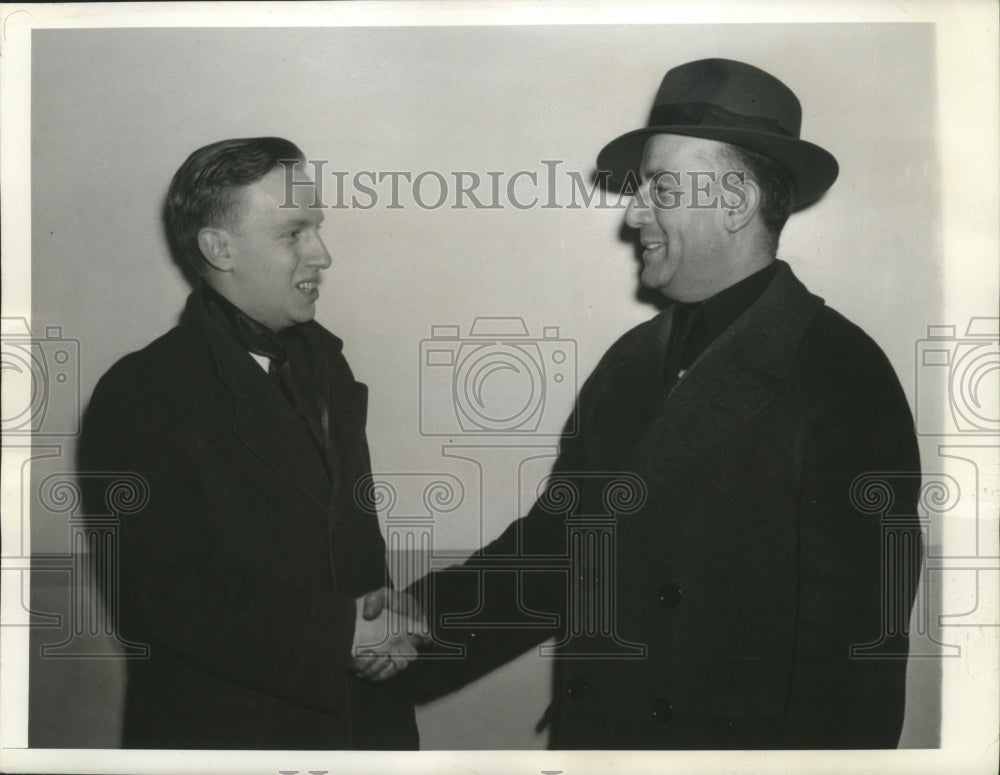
[
  {"x": 747, "y": 267},
  {"x": 747, "y": 253},
  {"x": 731, "y": 270}
]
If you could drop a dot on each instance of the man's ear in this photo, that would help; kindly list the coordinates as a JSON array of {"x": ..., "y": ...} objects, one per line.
[
  {"x": 214, "y": 246},
  {"x": 742, "y": 202}
]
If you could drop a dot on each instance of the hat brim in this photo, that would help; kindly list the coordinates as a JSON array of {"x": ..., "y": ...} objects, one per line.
[{"x": 813, "y": 169}]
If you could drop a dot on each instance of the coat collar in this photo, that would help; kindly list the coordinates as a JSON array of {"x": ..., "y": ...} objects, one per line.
[
  {"x": 738, "y": 375},
  {"x": 270, "y": 428}
]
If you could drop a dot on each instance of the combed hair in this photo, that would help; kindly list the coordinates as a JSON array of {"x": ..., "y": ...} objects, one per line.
[{"x": 201, "y": 192}]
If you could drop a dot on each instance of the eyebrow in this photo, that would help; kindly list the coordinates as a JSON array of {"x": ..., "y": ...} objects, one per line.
[
  {"x": 647, "y": 174},
  {"x": 301, "y": 221}
]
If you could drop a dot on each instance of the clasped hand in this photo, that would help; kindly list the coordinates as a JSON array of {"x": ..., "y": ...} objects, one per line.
[{"x": 388, "y": 629}]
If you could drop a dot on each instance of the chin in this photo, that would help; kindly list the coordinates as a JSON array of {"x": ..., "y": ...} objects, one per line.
[{"x": 658, "y": 284}]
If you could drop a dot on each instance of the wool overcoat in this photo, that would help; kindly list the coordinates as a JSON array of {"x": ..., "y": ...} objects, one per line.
[
  {"x": 241, "y": 571},
  {"x": 747, "y": 583}
]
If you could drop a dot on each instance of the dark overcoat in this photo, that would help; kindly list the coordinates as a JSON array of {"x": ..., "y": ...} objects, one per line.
[
  {"x": 764, "y": 526},
  {"x": 241, "y": 571}
]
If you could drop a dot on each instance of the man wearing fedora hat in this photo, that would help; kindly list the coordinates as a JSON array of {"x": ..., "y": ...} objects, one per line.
[{"x": 753, "y": 593}]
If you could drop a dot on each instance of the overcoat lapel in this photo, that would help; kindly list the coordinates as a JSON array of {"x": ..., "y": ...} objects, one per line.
[
  {"x": 263, "y": 421},
  {"x": 348, "y": 415},
  {"x": 736, "y": 377},
  {"x": 344, "y": 424},
  {"x": 630, "y": 393}
]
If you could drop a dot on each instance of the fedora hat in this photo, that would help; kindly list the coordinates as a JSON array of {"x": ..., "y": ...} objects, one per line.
[{"x": 735, "y": 103}]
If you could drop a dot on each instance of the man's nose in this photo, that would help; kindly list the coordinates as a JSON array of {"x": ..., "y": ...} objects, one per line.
[
  {"x": 637, "y": 213},
  {"x": 319, "y": 256}
]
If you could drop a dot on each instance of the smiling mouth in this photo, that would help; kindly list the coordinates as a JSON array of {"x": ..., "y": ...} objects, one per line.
[
  {"x": 308, "y": 286},
  {"x": 651, "y": 249}
]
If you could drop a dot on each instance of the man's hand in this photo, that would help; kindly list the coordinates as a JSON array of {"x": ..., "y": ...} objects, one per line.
[{"x": 388, "y": 629}]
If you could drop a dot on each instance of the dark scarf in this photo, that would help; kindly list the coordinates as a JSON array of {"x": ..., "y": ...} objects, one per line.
[{"x": 292, "y": 363}]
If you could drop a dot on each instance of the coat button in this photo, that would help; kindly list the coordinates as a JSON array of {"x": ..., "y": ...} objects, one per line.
[
  {"x": 576, "y": 689},
  {"x": 663, "y": 711},
  {"x": 670, "y": 595}
]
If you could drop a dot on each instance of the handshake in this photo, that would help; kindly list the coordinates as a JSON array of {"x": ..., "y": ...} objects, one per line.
[{"x": 389, "y": 627}]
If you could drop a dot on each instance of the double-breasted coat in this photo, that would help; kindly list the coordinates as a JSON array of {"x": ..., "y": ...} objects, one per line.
[
  {"x": 750, "y": 557},
  {"x": 241, "y": 571}
]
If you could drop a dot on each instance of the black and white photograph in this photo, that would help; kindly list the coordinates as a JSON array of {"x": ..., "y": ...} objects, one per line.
[{"x": 441, "y": 386}]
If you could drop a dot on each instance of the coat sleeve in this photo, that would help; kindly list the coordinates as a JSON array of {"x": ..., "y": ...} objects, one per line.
[
  {"x": 859, "y": 561},
  {"x": 506, "y": 596},
  {"x": 265, "y": 629}
]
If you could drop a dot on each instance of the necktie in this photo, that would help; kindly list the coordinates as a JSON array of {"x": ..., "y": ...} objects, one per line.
[{"x": 263, "y": 341}]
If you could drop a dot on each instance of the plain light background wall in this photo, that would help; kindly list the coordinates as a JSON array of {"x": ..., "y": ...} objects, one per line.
[{"x": 115, "y": 112}]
